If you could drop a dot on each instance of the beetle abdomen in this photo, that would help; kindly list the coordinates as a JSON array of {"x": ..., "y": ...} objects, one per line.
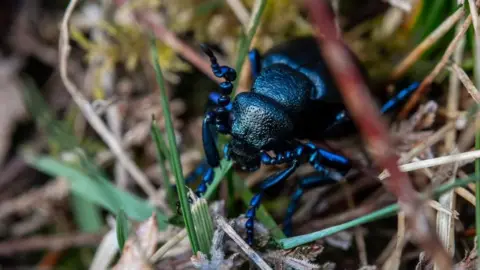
[
  {"x": 302, "y": 55},
  {"x": 286, "y": 86},
  {"x": 259, "y": 121}
]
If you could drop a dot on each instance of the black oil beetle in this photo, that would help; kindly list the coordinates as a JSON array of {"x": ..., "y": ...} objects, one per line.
[{"x": 293, "y": 100}]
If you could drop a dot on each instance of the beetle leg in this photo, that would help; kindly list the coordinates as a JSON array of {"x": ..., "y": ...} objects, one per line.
[
  {"x": 255, "y": 62},
  {"x": 208, "y": 138},
  {"x": 206, "y": 180},
  {"x": 318, "y": 158},
  {"x": 343, "y": 117},
  {"x": 306, "y": 183},
  {"x": 328, "y": 158},
  {"x": 289, "y": 153},
  {"x": 399, "y": 97},
  {"x": 325, "y": 176},
  {"x": 199, "y": 170},
  {"x": 255, "y": 201}
]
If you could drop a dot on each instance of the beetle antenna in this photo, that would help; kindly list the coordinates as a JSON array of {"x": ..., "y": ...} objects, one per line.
[{"x": 226, "y": 88}]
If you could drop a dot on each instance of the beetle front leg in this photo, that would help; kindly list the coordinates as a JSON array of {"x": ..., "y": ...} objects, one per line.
[
  {"x": 216, "y": 120},
  {"x": 211, "y": 152},
  {"x": 255, "y": 201},
  {"x": 209, "y": 140}
]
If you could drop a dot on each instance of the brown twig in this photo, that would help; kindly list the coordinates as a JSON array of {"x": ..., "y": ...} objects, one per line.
[
  {"x": 373, "y": 130},
  {"x": 57, "y": 242},
  {"x": 170, "y": 39}
]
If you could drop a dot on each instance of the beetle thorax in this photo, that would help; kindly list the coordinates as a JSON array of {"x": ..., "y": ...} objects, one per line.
[{"x": 259, "y": 122}]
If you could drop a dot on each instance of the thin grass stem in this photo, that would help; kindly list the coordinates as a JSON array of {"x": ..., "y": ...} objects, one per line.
[{"x": 174, "y": 155}]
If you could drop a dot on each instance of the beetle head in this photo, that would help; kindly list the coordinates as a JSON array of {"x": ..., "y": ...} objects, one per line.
[{"x": 245, "y": 156}]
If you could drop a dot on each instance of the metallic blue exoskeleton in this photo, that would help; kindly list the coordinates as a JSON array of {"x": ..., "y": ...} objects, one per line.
[{"x": 293, "y": 99}]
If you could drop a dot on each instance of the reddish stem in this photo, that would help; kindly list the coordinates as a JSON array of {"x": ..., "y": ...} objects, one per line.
[{"x": 366, "y": 115}]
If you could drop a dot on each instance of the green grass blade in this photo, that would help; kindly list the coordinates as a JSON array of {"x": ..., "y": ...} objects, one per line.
[
  {"x": 220, "y": 172},
  {"x": 245, "y": 42},
  {"x": 203, "y": 224},
  {"x": 385, "y": 212},
  {"x": 162, "y": 153},
  {"x": 99, "y": 191},
  {"x": 174, "y": 155},
  {"x": 231, "y": 206},
  {"x": 292, "y": 242},
  {"x": 87, "y": 215},
  {"x": 122, "y": 228},
  {"x": 207, "y": 7},
  {"x": 61, "y": 138}
]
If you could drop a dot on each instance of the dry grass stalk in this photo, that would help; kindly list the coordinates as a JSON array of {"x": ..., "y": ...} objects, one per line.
[
  {"x": 445, "y": 222},
  {"x": 221, "y": 223},
  {"x": 106, "y": 251},
  {"x": 433, "y": 139},
  {"x": 54, "y": 191},
  {"x": 467, "y": 195},
  {"x": 88, "y": 111},
  {"x": 393, "y": 262},
  {"x": 240, "y": 11},
  {"x": 404, "y": 5},
  {"x": 465, "y": 157},
  {"x": 453, "y": 97},
  {"x": 462, "y": 75},
  {"x": 425, "y": 85},
  {"x": 422, "y": 164},
  {"x": 476, "y": 28},
  {"x": 168, "y": 245},
  {"x": 413, "y": 57},
  {"x": 56, "y": 242},
  {"x": 439, "y": 208}
]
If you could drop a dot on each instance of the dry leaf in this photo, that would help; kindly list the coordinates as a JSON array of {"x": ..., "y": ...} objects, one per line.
[{"x": 139, "y": 246}]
